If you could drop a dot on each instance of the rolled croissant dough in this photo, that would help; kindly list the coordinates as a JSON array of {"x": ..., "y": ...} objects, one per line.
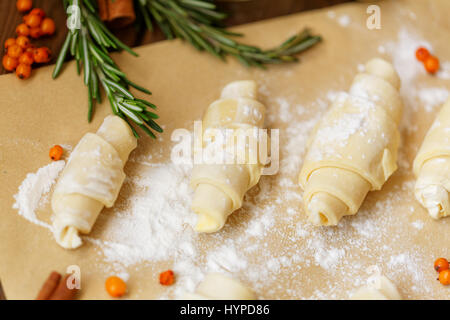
[
  {"x": 91, "y": 180},
  {"x": 220, "y": 188},
  {"x": 354, "y": 148},
  {"x": 432, "y": 167},
  {"x": 217, "y": 286},
  {"x": 379, "y": 288}
]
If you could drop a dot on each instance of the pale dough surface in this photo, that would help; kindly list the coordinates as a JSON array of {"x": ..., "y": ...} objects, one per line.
[
  {"x": 432, "y": 167},
  {"x": 220, "y": 187},
  {"x": 353, "y": 150},
  {"x": 91, "y": 179},
  {"x": 216, "y": 286},
  {"x": 378, "y": 288}
]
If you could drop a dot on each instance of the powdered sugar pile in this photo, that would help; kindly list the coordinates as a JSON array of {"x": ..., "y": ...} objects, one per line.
[
  {"x": 156, "y": 223},
  {"x": 34, "y": 188}
]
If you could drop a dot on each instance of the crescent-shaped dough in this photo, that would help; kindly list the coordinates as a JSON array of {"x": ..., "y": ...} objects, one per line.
[
  {"x": 381, "y": 288},
  {"x": 217, "y": 286},
  {"x": 91, "y": 180},
  {"x": 354, "y": 148},
  {"x": 432, "y": 167},
  {"x": 220, "y": 188}
]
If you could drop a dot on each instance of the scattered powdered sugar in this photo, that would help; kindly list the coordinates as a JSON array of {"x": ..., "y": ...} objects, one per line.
[
  {"x": 33, "y": 188},
  {"x": 418, "y": 224},
  {"x": 344, "y": 20},
  {"x": 156, "y": 224},
  {"x": 433, "y": 97},
  {"x": 444, "y": 71},
  {"x": 284, "y": 109}
]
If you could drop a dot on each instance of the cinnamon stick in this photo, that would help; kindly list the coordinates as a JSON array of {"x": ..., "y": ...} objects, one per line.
[
  {"x": 56, "y": 289},
  {"x": 116, "y": 13},
  {"x": 62, "y": 292},
  {"x": 49, "y": 286}
]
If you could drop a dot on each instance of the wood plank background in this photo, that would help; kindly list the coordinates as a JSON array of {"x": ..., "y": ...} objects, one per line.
[{"x": 240, "y": 11}]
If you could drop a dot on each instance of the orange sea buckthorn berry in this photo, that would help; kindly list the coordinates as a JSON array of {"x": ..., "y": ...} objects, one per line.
[
  {"x": 35, "y": 33},
  {"x": 41, "y": 55},
  {"x": 167, "y": 278},
  {"x": 23, "y": 71},
  {"x": 23, "y": 41},
  {"x": 115, "y": 286},
  {"x": 32, "y": 20},
  {"x": 48, "y": 26},
  {"x": 24, "y": 5},
  {"x": 9, "y": 63},
  {"x": 441, "y": 264},
  {"x": 9, "y": 42},
  {"x": 26, "y": 58},
  {"x": 38, "y": 12},
  {"x": 444, "y": 277},
  {"x": 14, "y": 51},
  {"x": 422, "y": 54},
  {"x": 431, "y": 64},
  {"x": 23, "y": 30},
  {"x": 56, "y": 152}
]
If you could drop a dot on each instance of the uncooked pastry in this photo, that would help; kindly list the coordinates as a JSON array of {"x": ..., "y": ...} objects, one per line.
[
  {"x": 432, "y": 167},
  {"x": 354, "y": 148},
  {"x": 378, "y": 288},
  {"x": 220, "y": 188},
  {"x": 217, "y": 286},
  {"x": 91, "y": 180}
]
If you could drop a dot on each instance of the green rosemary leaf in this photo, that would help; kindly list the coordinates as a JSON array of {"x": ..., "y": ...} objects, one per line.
[
  {"x": 146, "y": 16},
  {"x": 130, "y": 114},
  {"x": 86, "y": 59},
  {"x": 154, "y": 126},
  {"x": 151, "y": 105},
  {"x": 138, "y": 87},
  {"x": 147, "y": 130},
  {"x": 151, "y": 114},
  {"x": 89, "y": 5},
  {"x": 73, "y": 44},
  {"x": 90, "y": 103},
  {"x": 199, "y": 4},
  {"x": 62, "y": 55},
  {"x": 113, "y": 70},
  {"x": 118, "y": 88},
  {"x": 131, "y": 106}
]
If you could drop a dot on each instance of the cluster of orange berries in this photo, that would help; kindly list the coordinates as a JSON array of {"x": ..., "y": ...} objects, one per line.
[
  {"x": 441, "y": 265},
  {"x": 430, "y": 62},
  {"x": 20, "y": 53}
]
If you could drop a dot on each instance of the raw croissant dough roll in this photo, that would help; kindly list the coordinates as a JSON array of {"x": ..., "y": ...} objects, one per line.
[
  {"x": 381, "y": 288},
  {"x": 432, "y": 167},
  {"x": 220, "y": 188},
  {"x": 216, "y": 286},
  {"x": 91, "y": 179},
  {"x": 354, "y": 148}
]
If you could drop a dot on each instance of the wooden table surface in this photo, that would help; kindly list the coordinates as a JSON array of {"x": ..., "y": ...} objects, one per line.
[{"x": 240, "y": 12}]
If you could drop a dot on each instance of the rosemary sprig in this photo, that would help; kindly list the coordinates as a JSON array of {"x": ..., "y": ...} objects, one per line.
[
  {"x": 90, "y": 45},
  {"x": 199, "y": 23}
]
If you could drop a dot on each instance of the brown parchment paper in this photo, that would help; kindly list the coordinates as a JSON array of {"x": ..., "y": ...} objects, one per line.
[{"x": 40, "y": 112}]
